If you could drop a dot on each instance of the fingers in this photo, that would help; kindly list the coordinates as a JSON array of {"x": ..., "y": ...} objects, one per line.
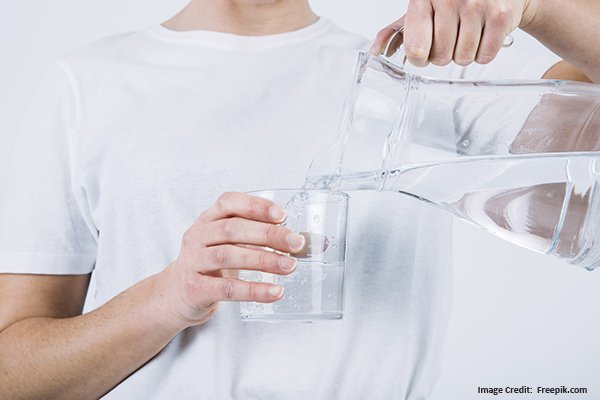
[
  {"x": 233, "y": 204},
  {"x": 383, "y": 38},
  {"x": 225, "y": 257},
  {"x": 445, "y": 31},
  {"x": 229, "y": 289},
  {"x": 439, "y": 31},
  {"x": 494, "y": 33},
  {"x": 469, "y": 35},
  {"x": 418, "y": 32},
  {"x": 314, "y": 244},
  {"x": 238, "y": 230}
]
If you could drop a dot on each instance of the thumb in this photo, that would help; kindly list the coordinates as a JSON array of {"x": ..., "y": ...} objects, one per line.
[{"x": 382, "y": 40}]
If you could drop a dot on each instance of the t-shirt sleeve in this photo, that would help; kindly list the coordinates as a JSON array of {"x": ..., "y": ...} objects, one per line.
[{"x": 44, "y": 228}]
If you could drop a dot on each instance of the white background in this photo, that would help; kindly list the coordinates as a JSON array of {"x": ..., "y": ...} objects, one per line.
[{"x": 519, "y": 318}]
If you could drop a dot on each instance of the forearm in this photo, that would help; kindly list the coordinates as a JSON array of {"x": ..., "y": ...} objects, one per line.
[
  {"x": 86, "y": 356},
  {"x": 570, "y": 29}
]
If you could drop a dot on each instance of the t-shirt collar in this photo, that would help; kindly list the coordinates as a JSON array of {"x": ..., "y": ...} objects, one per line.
[{"x": 228, "y": 41}]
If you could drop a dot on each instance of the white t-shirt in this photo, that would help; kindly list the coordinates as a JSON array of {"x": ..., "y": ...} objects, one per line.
[{"x": 132, "y": 137}]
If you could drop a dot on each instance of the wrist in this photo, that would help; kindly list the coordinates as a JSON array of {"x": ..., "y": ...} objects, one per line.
[
  {"x": 530, "y": 17},
  {"x": 161, "y": 305}
]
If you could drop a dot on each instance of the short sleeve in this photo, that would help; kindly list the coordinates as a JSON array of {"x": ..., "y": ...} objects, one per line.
[{"x": 42, "y": 225}]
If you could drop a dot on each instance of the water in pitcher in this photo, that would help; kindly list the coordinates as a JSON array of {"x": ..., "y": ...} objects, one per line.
[
  {"x": 516, "y": 158},
  {"x": 544, "y": 202}
]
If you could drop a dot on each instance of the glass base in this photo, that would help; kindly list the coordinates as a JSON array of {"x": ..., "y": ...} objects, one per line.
[{"x": 283, "y": 317}]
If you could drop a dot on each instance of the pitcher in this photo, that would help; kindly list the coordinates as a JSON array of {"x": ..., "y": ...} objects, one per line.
[{"x": 517, "y": 158}]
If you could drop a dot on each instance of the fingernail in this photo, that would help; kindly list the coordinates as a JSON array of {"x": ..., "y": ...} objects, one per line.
[
  {"x": 296, "y": 241},
  {"x": 287, "y": 263},
  {"x": 314, "y": 244},
  {"x": 277, "y": 213},
  {"x": 276, "y": 291},
  {"x": 416, "y": 52}
]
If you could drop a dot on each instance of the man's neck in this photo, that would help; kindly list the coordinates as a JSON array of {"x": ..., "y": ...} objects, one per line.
[{"x": 244, "y": 17}]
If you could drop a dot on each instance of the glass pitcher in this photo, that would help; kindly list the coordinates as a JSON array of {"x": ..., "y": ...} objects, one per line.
[{"x": 520, "y": 159}]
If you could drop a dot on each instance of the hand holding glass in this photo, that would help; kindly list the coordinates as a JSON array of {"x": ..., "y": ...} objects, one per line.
[{"x": 315, "y": 290}]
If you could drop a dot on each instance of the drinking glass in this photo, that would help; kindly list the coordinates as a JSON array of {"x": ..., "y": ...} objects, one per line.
[{"x": 315, "y": 290}]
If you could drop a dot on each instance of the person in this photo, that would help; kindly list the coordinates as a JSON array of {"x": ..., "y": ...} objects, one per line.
[{"x": 130, "y": 140}]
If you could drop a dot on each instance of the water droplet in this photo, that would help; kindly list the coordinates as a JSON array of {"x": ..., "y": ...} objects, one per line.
[
  {"x": 317, "y": 219},
  {"x": 466, "y": 143},
  {"x": 303, "y": 196}
]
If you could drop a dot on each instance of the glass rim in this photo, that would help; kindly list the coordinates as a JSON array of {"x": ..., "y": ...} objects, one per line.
[{"x": 332, "y": 193}]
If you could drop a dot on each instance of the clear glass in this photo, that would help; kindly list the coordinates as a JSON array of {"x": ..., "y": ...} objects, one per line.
[
  {"x": 517, "y": 158},
  {"x": 315, "y": 290}
]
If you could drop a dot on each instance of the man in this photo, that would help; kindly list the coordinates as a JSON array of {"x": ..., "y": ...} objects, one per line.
[{"x": 129, "y": 142}]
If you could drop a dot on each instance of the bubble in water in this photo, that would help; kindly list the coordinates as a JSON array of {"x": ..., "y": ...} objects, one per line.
[
  {"x": 317, "y": 219},
  {"x": 466, "y": 143},
  {"x": 292, "y": 302},
  {"x": 296, "y": 207}
]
